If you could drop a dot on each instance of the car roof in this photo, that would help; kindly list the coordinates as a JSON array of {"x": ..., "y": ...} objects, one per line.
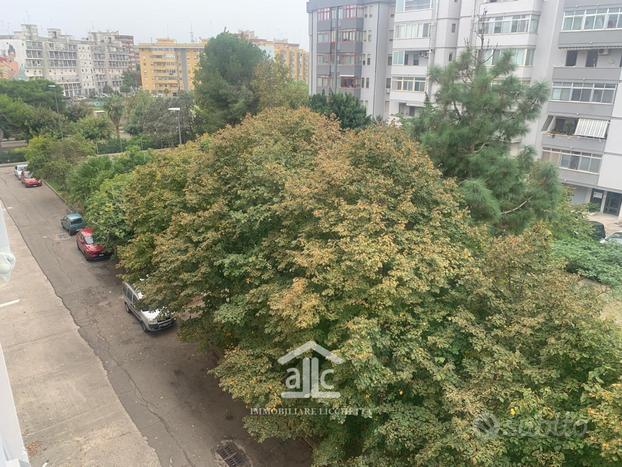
[{"x": 74, "y": 215}]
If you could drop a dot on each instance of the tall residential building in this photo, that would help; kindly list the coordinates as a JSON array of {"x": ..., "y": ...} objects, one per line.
[
  {"x": 350, "y": 42},
  {"x": 291, "y": 55},
  {"x": 575, "y": 45},
  {"x": 581, "y": 128},
  {"x": 167, "y": 67},
  {"x": 85, "y": 67}
]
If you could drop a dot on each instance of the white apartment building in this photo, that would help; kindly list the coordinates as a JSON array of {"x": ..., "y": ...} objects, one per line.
[
  {"x": 575, "y": 45},
  {"x": 81, "y": 67}
]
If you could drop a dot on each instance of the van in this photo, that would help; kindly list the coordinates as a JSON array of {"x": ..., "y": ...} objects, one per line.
[
  {"x": 149, "y": 320},
  {"x": 19, "y": 168}
]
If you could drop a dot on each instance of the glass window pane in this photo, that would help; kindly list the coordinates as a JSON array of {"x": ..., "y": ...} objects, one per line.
[{"x": 584, "y": 164}]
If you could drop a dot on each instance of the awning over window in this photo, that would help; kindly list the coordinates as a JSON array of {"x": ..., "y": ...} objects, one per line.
[{"x": 591, "y": 128}]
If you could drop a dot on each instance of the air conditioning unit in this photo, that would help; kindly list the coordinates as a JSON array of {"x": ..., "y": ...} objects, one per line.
[{"x": 603, "y": 51}]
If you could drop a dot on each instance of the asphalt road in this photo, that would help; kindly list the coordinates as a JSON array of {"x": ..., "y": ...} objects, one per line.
[{"x": 162, "y": 383}]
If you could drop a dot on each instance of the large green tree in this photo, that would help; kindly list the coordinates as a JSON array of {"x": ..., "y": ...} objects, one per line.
[
  {"x": 274, "y": 87},
  {"x": 286, "y": 229},
  {"x": 478, "y": 111},
  {"x": 115, "y": 108},
  {"x": 21, "y": 120},
  {"x": 53, "y": 159},
  {"x": 223, "y": 80},
  {"x": 344, "y": 107},
  {"x": 38, "y": 93}
]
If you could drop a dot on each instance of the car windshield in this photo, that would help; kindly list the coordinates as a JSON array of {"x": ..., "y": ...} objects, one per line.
[
  {"x": 76, "y": 221},
  {"x": 88, "y": 240}
]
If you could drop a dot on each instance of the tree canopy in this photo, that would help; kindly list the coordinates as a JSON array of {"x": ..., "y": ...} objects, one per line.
[
  {"x": 223, "y": 80},
  {"x": 286, "y": 229},
  {"x": 344, "y": 107},
  {"x": 478, "y": 112}
]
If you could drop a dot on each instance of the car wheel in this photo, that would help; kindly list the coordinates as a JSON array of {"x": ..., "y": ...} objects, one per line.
[
  {"x": 127, "y": 308},
  {"x": 142, "y": 325}
]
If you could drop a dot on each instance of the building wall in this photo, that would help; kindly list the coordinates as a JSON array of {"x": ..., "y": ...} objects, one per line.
[
  {"x": 168, "y": 67},
  {"x": 81, "y": 67},
  {"x": 350, "y": 43}
]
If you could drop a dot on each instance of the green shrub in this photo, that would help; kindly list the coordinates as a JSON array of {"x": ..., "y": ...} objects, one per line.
[
  {"x": 12, "y": 155},
  {"x": 592, "y": 260}
]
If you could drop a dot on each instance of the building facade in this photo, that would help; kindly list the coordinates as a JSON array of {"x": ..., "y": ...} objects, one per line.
[
  {"x": 295, "y": 59},
  {"x": 580, "y": 130},
  {"x": 167, "y": 67},
  {"x": 84, "y": 67},
  {"x": 350, "y": 43},
  {"x": 575, "y": 45}
]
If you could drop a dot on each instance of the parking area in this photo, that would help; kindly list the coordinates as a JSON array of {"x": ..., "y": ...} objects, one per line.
[{"x": 162, "y": 384}]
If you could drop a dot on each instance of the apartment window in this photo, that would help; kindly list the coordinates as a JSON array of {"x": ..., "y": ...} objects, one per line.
[
  {"x": 408, "y": 83},
  {"x": 412, "y": 30},
  {"x": 346, "y": 59},
  {"x": 349, "y": 35},
  {"x": 367, "y": 83},
  {"x": 390, "y": 60},
  {"x": 413, "y": 5},
  {"x": 388, "y": 84},
  {"x": 583, "y": 92},
  {"x": 323, "y": 81},
  {"x": 573, "y": 160},
  {"x": 571, "y": 57},
  {"x": 592, "y": 58},
  {"x": 592, "y": 19},
  {"x": 369, "y": 59},
  {"x": 323, "y": 59},
  {"x": 323, "y": 14},
  {"x": 520, "y": 57},
  {"x": 451, "y": 57},
  {"x": 349, "y": 82},
  {"x": 509, "y": 24},
  {"x": 369, "y": 36},
  {"x": 453, "y": 27},
  {"x": 351, "y": 11}
]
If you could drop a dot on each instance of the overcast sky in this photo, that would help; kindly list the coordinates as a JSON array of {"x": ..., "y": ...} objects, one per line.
[{"x": 147, "y": 20}]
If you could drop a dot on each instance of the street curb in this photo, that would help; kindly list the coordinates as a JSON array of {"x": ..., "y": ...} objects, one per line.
[{"x": 56, "y": 193}]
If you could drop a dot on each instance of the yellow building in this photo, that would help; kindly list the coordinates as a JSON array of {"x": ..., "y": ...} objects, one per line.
[
  {"x": 291, "y": 55},
  {"x": 167, "y": 67}
]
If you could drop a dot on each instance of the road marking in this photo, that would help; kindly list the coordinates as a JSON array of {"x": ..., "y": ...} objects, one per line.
[{"x": 3, "y": 305}]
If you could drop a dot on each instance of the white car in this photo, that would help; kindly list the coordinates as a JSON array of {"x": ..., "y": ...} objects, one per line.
[
  {"x": 613, "y": 238},
  {"x": 19, "y": 168}
]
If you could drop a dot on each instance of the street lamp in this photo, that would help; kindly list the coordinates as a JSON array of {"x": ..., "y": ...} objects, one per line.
[
  {"x": 178, "y": 111},
  {"x": 60, "y": 128}
]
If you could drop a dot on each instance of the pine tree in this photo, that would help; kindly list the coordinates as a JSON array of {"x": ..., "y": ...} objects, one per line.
[{"x": 480, "y": 109}]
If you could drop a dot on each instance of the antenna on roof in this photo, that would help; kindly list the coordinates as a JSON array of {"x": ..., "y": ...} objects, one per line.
[{"x": 191, "y": 34}]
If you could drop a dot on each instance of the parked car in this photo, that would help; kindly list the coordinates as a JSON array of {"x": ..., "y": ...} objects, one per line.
[
  {"x": 599, "y": 230},
  {"x": 150, "y": 320},
  {"x": 19, "y": 168},
  {"x": 28, "y": 180},
  {"x": 613, "y": 238},
  {"x": 88, "y": 247},
  {"x": 72, "y": 222}
]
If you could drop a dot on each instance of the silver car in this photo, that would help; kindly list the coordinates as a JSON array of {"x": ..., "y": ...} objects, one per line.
[{"x": 149, "y": 320}]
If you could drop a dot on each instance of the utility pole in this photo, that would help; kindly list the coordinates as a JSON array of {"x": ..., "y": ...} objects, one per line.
[
  {"x": 60, "y": 127},
  {"x": 178, "y": 111}
]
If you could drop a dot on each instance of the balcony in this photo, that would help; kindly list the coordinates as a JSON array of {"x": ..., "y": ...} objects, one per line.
[
  {"x": 600, "y": 39},
  {"x": 577, "y": 73},
  {"x": 573, "y": 143},
  {"x": 574, "y": 177}
]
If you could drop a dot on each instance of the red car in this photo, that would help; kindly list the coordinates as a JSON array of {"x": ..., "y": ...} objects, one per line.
[
  {"x": 88, "y": 247},
  {"x": 28, "y": 180}
]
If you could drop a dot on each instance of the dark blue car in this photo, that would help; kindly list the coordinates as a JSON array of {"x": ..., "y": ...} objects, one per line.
[{"x": 72, "y": 222}]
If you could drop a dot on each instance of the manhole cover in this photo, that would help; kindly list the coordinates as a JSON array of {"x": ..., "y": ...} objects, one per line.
[{"x": 231, "y": 455}]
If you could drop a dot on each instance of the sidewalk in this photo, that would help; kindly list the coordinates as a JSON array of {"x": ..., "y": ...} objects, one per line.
[{"x": 68, "y": 411}]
